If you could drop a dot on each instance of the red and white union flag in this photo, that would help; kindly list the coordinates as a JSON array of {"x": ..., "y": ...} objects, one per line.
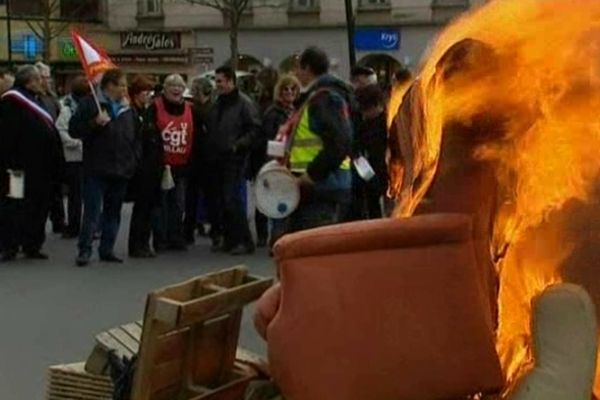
[{"x": 94, "y": 60}]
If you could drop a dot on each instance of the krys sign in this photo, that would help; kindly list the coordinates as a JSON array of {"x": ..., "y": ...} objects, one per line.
[
  {"x": 377, "y": 39},
  {"x": 150, "y": 41}
]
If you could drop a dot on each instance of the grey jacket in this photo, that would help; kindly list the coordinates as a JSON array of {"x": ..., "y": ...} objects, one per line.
[{"x": 72, "y": 148}]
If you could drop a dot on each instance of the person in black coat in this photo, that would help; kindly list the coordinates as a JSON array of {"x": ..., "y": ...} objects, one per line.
[
  {"x": 370, "y": 142},
  {"x": 111, "y": 151},
  {"x": 144, "y": 188},
  {"x": 29, "y": 143},
  {"x": 52, "y": 105},
  {"x": 232, "y": 125},
  {"x": 202, "y": 92},
  {"x": 285, "y": 93}
]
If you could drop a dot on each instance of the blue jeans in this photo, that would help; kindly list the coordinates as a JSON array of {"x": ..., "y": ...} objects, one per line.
[{"x": 102, "y": 202}]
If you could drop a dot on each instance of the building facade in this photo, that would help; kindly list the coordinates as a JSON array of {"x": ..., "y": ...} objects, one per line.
[{"x": 166, "y": 36}]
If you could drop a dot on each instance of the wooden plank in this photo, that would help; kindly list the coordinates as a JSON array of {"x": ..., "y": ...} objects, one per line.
[
  {"x": 78, "y": 391},
  {"x": 142, "y": 389},
  {"x": 134, "y": 330},
  {"x": 61, "y": 396},
  {"x": 97, "y": 362},
  {"x": 171, "y": 346},
  {"x": 78, "y": 372},
  {"x": 78, "y": 385},
  {"x": 71, "y": 383},
  {"x": 166, "y": 375},
  {"x": 206, "y": 352},
  {"x": 108, "y": 342},
  {"x": 83, "y": 379},
  {"x": 125, "y": 339},
  {"x": 78, "y": 395}
]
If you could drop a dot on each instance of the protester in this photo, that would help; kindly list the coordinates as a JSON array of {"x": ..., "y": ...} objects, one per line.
[
  {"x": 267, "y": 79},
  {"x": 285, "y": 93},
  {"x": 7, "y": 79},
  {"x": 52, "y": 105},
  {"x": 233, "y": 125},
  {"x": 202, "y": 92},
  {"x": 174, "y": 120},
  {"x": 322, "y": 141},
  {"x": 370, "y": 143},
  {"x": 145, "y": 186},
  {"x": 30, "y": 147},
  {"x": 111, "y": 150},
  {"x": 361, "y": 77},
  {"x": 73, "y": 152}
]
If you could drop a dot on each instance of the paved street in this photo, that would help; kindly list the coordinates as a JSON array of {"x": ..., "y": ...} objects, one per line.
[{"x": 50, "y": 311}]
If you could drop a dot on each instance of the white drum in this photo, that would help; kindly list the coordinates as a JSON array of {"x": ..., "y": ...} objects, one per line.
[{"x": 277, "y": 191}]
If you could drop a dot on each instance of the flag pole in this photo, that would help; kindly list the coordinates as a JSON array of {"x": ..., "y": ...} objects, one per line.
[{"x": 95, "y": 96}]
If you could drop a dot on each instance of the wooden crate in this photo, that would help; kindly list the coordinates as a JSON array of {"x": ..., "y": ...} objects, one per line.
[
  {"x": 190, "y": 335},
  {"x": 72, "y": 382}
]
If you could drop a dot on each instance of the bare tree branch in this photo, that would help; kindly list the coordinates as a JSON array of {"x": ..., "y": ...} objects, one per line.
[
  {"x": 53, "y": 7},
  {"x": 57, "y": 31},
  {"x": 39, "y": 33},
  {"x": 216, "y": 4}
]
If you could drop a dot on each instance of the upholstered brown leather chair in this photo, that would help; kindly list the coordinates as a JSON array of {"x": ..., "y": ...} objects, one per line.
[{"x": 383, "y": 310}]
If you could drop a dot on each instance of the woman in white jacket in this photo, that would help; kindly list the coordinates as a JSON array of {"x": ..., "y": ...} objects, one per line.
[{"x": 73, "y": 151}]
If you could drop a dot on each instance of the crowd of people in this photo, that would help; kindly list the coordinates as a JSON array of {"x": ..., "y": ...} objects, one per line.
[{"x": 183, "y": 162}]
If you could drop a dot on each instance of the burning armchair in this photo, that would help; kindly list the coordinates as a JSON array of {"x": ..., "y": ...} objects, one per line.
[{"x": 502, "y": 129}]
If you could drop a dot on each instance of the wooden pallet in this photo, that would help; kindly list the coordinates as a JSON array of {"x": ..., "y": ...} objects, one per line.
[
  {"x": 72, "y": 382},
  {"x": 190, "y": 335},
  {"x": 123, "y": 340}
]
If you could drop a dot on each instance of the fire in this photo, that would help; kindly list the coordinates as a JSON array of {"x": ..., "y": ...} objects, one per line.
[{"x": 526, "y": 73}]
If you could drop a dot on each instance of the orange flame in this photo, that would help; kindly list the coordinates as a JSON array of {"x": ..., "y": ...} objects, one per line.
[{"x": 534, "y": 67}]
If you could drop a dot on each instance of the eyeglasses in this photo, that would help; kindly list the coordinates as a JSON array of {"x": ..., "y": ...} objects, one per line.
[{"x": 291, "y": 89}]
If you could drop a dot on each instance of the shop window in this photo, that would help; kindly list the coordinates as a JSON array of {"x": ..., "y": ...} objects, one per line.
[
  {"x": 150, "y": 8},
  {"x": 446, "y": 10},
  {"x": 304, "y": 5},
  {"x": 83, "y": 10},
  {"x": 374, "y": 4},
  {"x": 450, "y": 3},
  {"x": 26, "y": 7}
]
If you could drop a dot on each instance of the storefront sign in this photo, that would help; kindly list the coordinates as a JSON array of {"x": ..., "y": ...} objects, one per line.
[
  {"x": 150, "y": 58},
  {"x": 377, "y": 39},
  {"x": 202, "y": 55},
  {"x": 66, "y": 49},
  {"x": 151, "y": 41},
  {"x": 28, "y": 45}
]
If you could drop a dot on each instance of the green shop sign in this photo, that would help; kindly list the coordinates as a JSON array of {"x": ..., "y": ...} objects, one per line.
[{"x": 66, "y": 49}]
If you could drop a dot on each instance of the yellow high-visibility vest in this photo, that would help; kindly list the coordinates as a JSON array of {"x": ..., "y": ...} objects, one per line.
[{"x": 306, "y": 146}]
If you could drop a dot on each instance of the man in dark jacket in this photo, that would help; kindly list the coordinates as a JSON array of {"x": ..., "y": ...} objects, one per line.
[
  {"x": 52, "y": 105},
  {"x": 232, "y": 124},
  {"x": 202, "y": 92},
  {"x": 322, "y": 143},
  {"x": 111, "y": 150},
  {"x": 370, "y": 143},
  {"x": 30, "y": 147}
]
